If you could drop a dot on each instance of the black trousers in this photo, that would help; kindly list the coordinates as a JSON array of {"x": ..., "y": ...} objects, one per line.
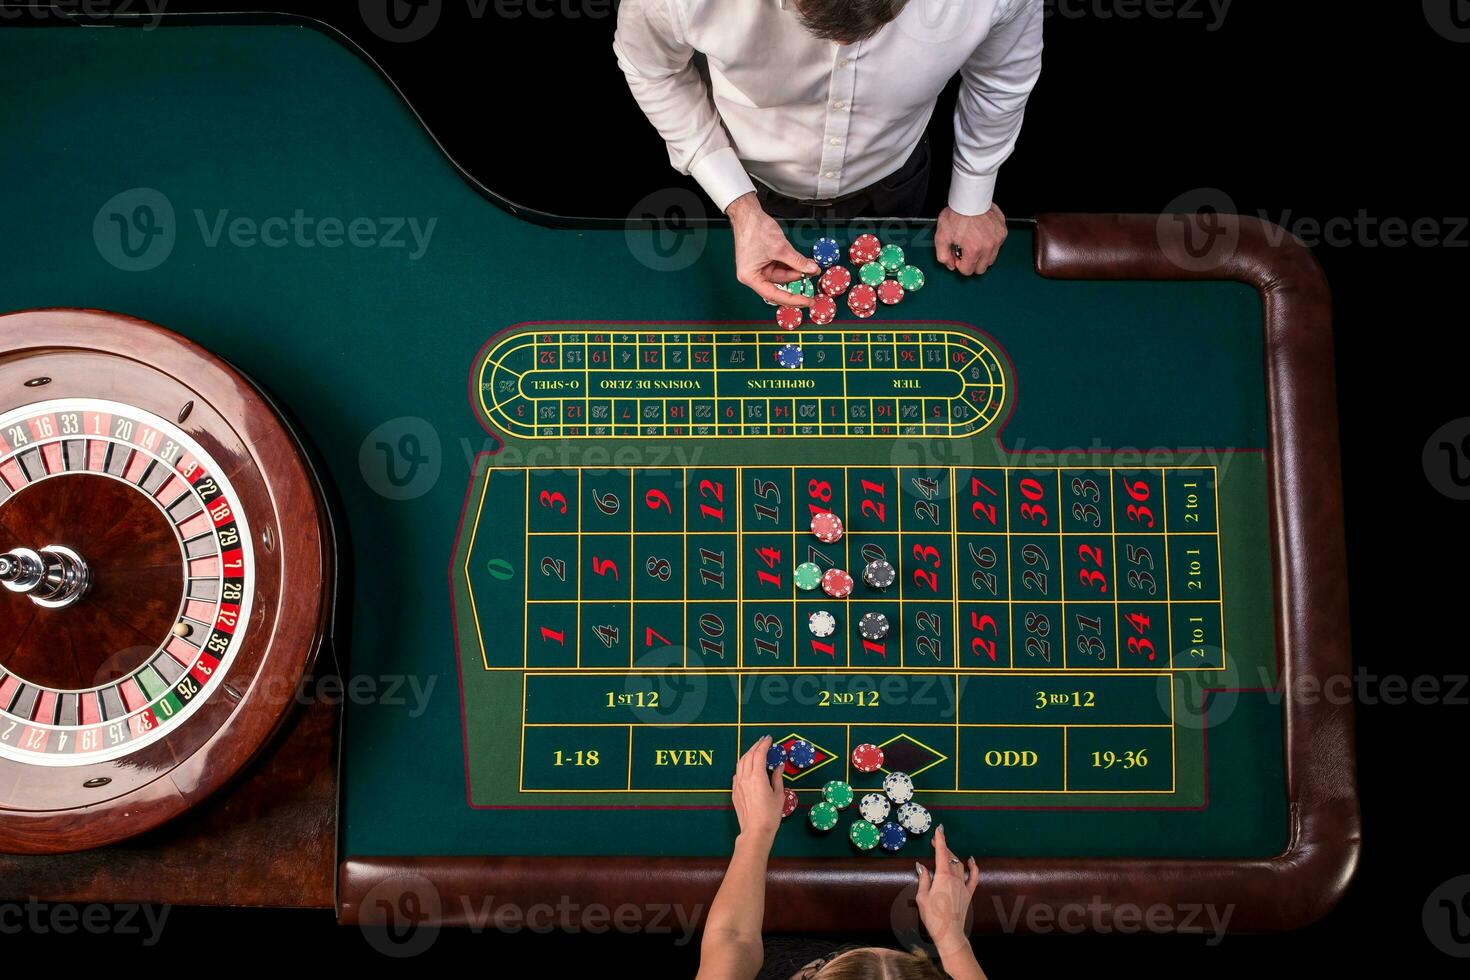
[{"x": 899, "y": 195}]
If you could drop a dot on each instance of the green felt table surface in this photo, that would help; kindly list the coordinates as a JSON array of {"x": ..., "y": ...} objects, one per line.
[{"x": 370, "y": 340}]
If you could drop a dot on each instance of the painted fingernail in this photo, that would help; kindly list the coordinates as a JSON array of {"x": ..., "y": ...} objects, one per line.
[
  {"x": 918, "y": 869},
  {"x": 940, "y": 828}
]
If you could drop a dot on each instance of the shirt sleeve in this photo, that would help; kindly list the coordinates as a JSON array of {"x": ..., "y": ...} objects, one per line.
[
  {"x": 995, "y": 83},
  {"x": 659, "y": 66}
]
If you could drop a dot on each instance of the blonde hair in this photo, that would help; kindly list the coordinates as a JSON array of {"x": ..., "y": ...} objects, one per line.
[{"x": 870, "y": 963}]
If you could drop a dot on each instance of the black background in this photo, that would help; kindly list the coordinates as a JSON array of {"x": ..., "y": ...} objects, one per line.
[{"x": 1299, "y": 113}]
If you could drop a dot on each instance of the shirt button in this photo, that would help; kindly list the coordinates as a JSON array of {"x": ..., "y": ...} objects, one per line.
[
  {"x": 839, "y": 105},
  {"x": 830, "y": 175},
  {"x": 843, "y": 63},
  {"x": 836, "y": 141}
]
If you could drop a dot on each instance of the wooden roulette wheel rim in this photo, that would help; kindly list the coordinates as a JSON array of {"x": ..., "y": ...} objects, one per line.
[{"x": 208, "y": 582}]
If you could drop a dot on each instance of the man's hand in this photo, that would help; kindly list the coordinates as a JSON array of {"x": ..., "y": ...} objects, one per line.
[
  {"x": 978, "y": 237},
  {"x": 757, "y": 796},
  {"x": 764, "y": 259}
]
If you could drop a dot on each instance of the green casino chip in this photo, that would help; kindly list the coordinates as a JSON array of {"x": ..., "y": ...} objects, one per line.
[
  {"x": 864, "y": 836},
  {"x": 871, "y": 274},
  {"x": 838, "y": 793},
  {"x": 802, "y": 287},
  {"x": 823, "y": 815},
  {"x": 911, "y": 278},
  {"x": 891, "y": 258},
  {"x": 808, "y": 576}
]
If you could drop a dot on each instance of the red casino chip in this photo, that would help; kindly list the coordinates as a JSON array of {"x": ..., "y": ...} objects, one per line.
[
  {"x": 823, "y": 310},
  {"x": 867, "y": 758},
  {"x": 865, "y": 248},
  {"x": 837, "y": 583},
  {"x": 788, "y": 317},
  {"x": 834, "y": 281},
  {"x": 827, "y": 526},
  {"x": 788, "y": 804},
  {"x": 889, "y": 292},
  {"x": 862, "y": 301}
]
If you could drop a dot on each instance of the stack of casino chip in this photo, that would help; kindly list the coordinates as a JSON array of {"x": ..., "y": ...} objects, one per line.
[
  {"x": 879, "y": 574},
  {"x": 899, "y": 787},
  {"x": 838, "y": 793},
  {"x": 827, "y": 527},
  {"x": 914, "y": 818},
  {"x": 862, "y": 300},
  {"x": 883, "y": 277},
  {"x": 775, "y": 756},
  {"x": 790, "y": 356},
  {"x": 823, "y": 815},
  {"x": 823, "y": 310},
  {"x": 826, "y": 252},
  {"x": 788, "y": 804},
  {"x": 873, "y": 626},
  {"x": 834, "y": 281},
  {"x": 801, "y": 753},
  {"x": 867, "y": 758},
  {"x": 891, "y": 836},
  {"x": 864, "y": 248},
  {"x": 874, "y": 807},
  {"x": 837, "y": 583}
]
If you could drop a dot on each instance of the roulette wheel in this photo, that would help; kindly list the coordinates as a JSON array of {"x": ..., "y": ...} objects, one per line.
[{"x": 166, "y": 568}]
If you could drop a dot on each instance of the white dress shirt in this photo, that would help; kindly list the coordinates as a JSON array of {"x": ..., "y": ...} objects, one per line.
[{"x": 816, "y": 120}]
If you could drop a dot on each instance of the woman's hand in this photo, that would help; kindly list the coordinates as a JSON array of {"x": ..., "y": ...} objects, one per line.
[
  {"x": 758, "y": 796},
  {"x": 944, "y": 896}
]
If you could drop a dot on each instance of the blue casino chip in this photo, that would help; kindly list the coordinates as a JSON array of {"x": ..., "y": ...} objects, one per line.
[
  {"x": 801, "y": 753},
  {"x": 789, "y": 356},
  {"x": 775, "y": 756},
  {"x": 891, "y": 836},
  {"x": 826, "y": 251}
]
